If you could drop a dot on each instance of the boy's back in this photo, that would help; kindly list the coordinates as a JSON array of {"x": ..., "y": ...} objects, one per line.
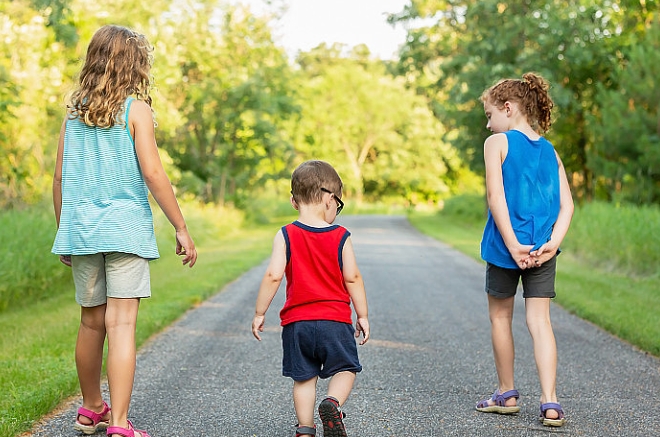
[{"x": 315, "y": 283}]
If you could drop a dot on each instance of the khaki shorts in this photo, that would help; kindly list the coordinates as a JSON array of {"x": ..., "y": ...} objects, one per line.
[{"x": 113, "y": 274}]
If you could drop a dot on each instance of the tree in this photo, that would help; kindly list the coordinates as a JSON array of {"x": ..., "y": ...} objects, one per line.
[
  {"x": 381, "y": 137},
  {"x": 626, "y": 151},
  {"x": 230, "y": 86},
  {"x": 31, "y": 72},
  {"x": 469, "y": 45}
]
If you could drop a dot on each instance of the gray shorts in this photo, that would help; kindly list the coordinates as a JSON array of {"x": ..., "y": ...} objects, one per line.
[
  {"x": 536, "y": 281},
  {"x": 112, "y": 274}
]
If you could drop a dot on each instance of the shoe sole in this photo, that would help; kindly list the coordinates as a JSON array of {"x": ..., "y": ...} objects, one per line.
[
  {"x": 499, "y": 410},
  {"x": 552, "y": 422},
  {"x": 333, "y": 426},
  {"x": 89, "y": 429}
]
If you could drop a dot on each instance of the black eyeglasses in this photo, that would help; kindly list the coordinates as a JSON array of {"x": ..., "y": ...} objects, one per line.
[{"x": 340, "y": 204}]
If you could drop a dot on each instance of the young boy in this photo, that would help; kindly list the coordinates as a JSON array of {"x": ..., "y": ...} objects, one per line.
[{"x": 322, "y": 280}]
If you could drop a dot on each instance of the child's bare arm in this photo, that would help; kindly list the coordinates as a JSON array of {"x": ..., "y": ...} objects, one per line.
[
  {"x": 355, "y": 286},
  {"x": 142, "y": 126},
  {"x": 57, "y": 187},
  {"x": 269, "y": 284},
  {"x": 494, "y": 149},
  {"x": 566, "y": 207}
]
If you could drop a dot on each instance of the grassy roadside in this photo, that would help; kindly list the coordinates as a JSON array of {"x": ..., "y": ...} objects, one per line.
[
  {"x": 623, "y": 303},
  {"x": 37, "y": 369}
]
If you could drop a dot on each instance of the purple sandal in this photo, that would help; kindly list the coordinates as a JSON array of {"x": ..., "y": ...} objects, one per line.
[
  {"x": 499, "y": 403},
  {"x": 98, "y": 422},
  {"x": 559, "y": 421},
  {"x": 125, "y": 432}
]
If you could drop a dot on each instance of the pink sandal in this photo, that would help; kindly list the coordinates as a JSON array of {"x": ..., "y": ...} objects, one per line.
[
  {"x": 125, "y": 432},
  {"x": 98, "y": 422}
]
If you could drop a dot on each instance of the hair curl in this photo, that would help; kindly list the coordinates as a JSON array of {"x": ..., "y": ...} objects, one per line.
[
  {"x": 308, "y": 179},
  {"x": 117, "y": 65},
  {"x": 530, "y": 92}
]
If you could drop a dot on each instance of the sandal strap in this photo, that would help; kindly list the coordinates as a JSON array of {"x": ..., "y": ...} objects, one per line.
[
  {"x": 93, "y": 415},
  {"x": 501, "y": 398},
  {"x": 302, "y": 430},
  {"x": 126, "y": 432},
  {"x": 552, "y": 406}
]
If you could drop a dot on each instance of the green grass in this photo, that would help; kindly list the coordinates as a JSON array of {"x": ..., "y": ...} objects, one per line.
[
  {"x": 37, "y": 338},
  {"x": 615, "y": 289},
  {"x": 27, "y": 274}
]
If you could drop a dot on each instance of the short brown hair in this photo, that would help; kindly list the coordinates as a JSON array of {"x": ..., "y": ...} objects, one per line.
[{"x": 308, "y": 179}]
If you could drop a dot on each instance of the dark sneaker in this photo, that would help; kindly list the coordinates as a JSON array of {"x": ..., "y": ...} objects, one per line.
[{"x": 331, "y": 416}]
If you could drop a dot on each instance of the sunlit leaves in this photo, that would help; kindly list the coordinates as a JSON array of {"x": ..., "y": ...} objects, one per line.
[
  {"x": 229, "y": 90},
  {"x": 381, "y": 137},
  {"x": 455, "y": 49}
]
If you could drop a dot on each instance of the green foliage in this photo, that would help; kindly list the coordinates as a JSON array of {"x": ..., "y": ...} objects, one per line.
[
  {"x": 470, "y": 207},
  {"x": 31, "y": 66},
  {"x": 626, "y": 152},
  {"x": 622, "y": 239},
  {"x": 381, "y": 137},
  {"x": 28, "y": 271},
  {"x": 58, "y": 16},
  {"x": 237, "y": 92},
  {"x": 463, "y": 47}
]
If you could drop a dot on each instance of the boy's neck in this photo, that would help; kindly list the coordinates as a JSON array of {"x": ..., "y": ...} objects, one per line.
[{"x": 312, "y": 215}]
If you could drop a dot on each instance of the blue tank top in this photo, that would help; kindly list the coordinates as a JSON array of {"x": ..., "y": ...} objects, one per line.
[
  {"x": 105, "y": 201},
  {"x": 530, "y": 174}
]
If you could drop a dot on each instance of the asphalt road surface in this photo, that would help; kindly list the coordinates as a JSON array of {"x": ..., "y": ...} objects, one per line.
[{"x": 427, "y": 364}]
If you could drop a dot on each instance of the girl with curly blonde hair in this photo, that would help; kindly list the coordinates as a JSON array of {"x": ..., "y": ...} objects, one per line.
[{"x": 107, "y": 163}]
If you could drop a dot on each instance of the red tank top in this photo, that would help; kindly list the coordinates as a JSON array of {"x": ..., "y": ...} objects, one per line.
[{"x": 315, "y": 288}]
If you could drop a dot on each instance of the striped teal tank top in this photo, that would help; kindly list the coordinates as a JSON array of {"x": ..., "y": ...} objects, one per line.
[{"x": 105, "y": 203}]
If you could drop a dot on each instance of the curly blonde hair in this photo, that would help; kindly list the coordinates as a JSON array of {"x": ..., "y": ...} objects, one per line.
[
  {"x": 117, "y": 65},
  {"x": 530, "y": 92}
]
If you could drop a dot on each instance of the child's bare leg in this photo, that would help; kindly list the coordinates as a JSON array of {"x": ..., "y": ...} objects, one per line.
[
  {"x": 545, "y": 348},
  {"x": 89, "y": 358},
  {"x": 121, "y": 319},
  {"x": 304, "y": 401},
  {"x": 340, "y": 386},
  {"x": 501, "y": 316}
]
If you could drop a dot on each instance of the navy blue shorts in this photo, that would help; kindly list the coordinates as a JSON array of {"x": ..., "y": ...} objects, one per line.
[
  {"x": 318, "y": 348},
  {"x": 536, "y": 281}
]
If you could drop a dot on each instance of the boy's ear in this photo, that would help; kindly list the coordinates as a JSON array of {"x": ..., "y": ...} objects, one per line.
[{"x": 294, "y": 203}]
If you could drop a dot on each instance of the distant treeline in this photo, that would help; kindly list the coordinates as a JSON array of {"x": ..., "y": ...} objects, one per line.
[{"x": 235, "y": 114}]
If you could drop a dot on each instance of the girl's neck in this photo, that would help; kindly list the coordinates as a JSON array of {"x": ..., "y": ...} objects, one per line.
[{"x": 526, "y": 129}]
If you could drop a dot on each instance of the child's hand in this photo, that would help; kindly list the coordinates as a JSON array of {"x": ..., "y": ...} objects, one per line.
[
  {"x": 66, "y": 260},
  {"x": 521, "y": 255},
  {"x": 362, "y": 326},
  {"x": 186, "y": 247},
  {"x": 543, "y": 254},
  {"x": 258, "y": 326}
]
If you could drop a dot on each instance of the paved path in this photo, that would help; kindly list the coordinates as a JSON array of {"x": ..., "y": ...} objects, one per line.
[{"x": 428, "y": 362}]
